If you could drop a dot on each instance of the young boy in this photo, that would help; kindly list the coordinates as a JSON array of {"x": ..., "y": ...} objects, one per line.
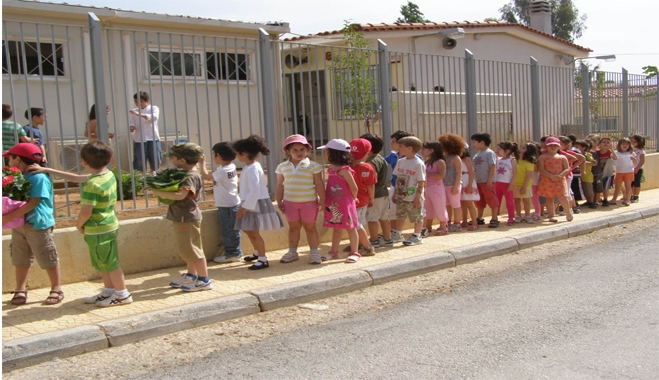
[
  {"x": 12, "y": 133},
  {"x": 34, "y": 238},
  {"x": 365, "y": 179},
  {"x": 227, "y": 200},
  {"x": 380, "y": 210},
  {"x": 587, "y": 176},
  {"x": 37, "y": 117},
  {"x": 485, "y": 163},
  {"x": 410, "y": 175},
  {"x": 98, "y": 222},
  {"x": 392, "y": 159},
  {"x": 186, "y": 218},
  {"x": 143, "y": 124}
]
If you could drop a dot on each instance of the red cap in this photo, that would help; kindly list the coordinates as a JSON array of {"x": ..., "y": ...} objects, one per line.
[
  {"x": 359, "y": 148},
  {"x": 27, "y": 150}
]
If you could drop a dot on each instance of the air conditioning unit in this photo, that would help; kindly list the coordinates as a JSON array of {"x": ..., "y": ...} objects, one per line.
[
  {"x": 64, "y": 153},
  {"x": 169, "y": 140}
]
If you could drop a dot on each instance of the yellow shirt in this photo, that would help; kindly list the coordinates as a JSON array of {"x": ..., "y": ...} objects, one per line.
[
  {"x": 523, "y": 167},
  {"x": 298, "y": 180}
]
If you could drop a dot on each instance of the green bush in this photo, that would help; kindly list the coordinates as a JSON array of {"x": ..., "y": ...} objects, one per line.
[{"x": 125, "y": 186}]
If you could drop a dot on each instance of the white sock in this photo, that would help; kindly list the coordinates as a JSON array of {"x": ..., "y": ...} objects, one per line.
[
  {"x": 108, "y": 291},
  {"x": 122, "y": 293},
  {"x": 263, "y": 259}
]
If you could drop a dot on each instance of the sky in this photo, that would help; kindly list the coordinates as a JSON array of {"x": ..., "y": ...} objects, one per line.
[{"x": 627, "y": 29}]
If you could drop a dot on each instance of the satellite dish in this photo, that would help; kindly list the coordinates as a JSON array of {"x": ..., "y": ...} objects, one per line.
[{"x": 291, "y": 61}]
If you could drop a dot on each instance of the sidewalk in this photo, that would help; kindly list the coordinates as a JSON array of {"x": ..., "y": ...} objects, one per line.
[{"x": 152, "y": 295}]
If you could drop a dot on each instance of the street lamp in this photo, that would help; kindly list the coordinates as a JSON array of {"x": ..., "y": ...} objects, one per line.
[{"x": 569, "y": 59}]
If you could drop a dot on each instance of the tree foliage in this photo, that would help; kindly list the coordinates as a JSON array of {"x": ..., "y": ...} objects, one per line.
[
  {"x": 566, "y": 23},
  {"x": 411, "y": 13},
  {"x": 650, "y": 71}
]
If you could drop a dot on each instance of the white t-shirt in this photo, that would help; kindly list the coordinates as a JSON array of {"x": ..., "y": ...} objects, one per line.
[
  {"x": 504, "y": 171},
  {"x": 225, "y": 186},
  {"x": 145, "y": 129},
  {"x": 408, "y": 172},
  {"x": 624, "y": 163},
  {"x": 252, "y": 186},
  {"x": 639, "y": 153}
]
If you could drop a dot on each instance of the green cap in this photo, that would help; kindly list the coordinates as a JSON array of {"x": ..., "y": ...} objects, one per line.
[{"x": 187, "y": 150}]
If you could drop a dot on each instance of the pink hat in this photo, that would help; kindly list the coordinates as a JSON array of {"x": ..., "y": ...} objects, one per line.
[
  {"x": 292, "y": 139},
  {"x": 359, "y": 148},
  {"x": 336, "y": 144},
  {"x": 551, "y": 140}
]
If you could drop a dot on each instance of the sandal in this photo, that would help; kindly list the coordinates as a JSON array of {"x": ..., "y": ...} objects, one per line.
[
  {"x": 368, "y": 251},
  {"x": 19, "y": 298},
  {"x": 54, "y": 300},
  {"x": 473, "y": 227},
  {"x": 553, "y": 220},
  {"x": 330, "y": 255},
  {"x": 494, "y": 224},
  {"x": 441, "y": 231},
  {"x": 353, "y": 257}
]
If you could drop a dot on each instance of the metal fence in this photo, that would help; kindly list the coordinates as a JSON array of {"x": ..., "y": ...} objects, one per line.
[{"x": 212, "y": 88}]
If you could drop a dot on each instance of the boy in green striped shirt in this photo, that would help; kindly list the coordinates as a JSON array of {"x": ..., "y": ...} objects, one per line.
[{"x": 98, "y": 222}]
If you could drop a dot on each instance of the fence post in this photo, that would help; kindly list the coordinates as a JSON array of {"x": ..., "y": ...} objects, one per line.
[
  {"x": 268, "y": 106},
  {"x": 96, "y": 44},
  {"x": 625, "y": 103},
  {"x": 535, "y": 100},
  {"x": 585, "y": 99},
  {"x": 385, "y": 94},
  {"x": 656, "y": 116},
  {"x": 470, "y": 96}
]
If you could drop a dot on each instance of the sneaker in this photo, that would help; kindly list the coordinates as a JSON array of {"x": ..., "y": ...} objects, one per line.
[
  {"x": 185, "y": 279},
  {"x": 576, "y": 210},
  {"x": 252, "y": 257},
  {"x": 330, "y": 255},
  {"x": 102, "y": 296},
  {"x": 457, "y": 227},
  {"x": 222, "y": 259},
  {"x": 529, "y": 219},
  {"x": 259, "y": 265},
  {"x": 115, "y": 300},
  {"x": 605, "y": 203},
  {"x": 397, "y": 237},
  {"x": 315, "y": 258},
  {"x": 388, "y": 243},
  {"x": 536, "y": 217},
  {"x": 480, "y": 221},
  {"x": 518, "y": 219},
  {"x": 197, "y": 286},
  {"x": 413, "y": 240},
  {"x": 374, "y": 243},
  {"x": 593, "y": 205},
  {"x": 424, "y": 232},
  {"x": 634, "y": 199},
  {"x": 289, "y": 257}
]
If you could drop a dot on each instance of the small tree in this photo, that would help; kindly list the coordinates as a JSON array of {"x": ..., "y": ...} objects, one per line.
[{"x": 411, "y": 13}]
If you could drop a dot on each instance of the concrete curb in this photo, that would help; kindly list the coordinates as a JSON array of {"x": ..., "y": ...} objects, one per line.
[
  {"x": 412, "y": 266},
  {"x": 484, "y": 250},
  {"x": 540, "y": 237},
  {"x": 586, "y": 227},
  {"x": 308, "y": 290},
  {"x": 649, "y": 211},
  {"x": 31, "y": 350},
  {"x": 161, "y": 322}
]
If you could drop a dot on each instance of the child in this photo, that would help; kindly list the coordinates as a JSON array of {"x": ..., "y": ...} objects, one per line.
[
  {"x": 299, "y": 188},
  {"x": 435, "y": 200},
  {"x": 98, "y": 222},
  {"x": 340, "y": 199},
  {"x": 186, "y": 218},
  {"x": 573, "y": 178},
  {"x": 452, "y": 147},
  {"x": 256, "y": 211},
  {"x": 587, "y": 173},
  {"x": 227, "y": 200},
  {"x": 625, "y": 162},
  {"x": 596, "y": 169},
  {"x": 410, "y": 175},
  {"x": 469, "y": 190},
  {"x": 37, "y": 117},
  {"x": 535, "y": 198},
  {"x": 143, "y": 122},
  {"x": 523, "y": 180},
  {"x": 34, "y": 238},
  {"x": 553, "y": 168},
  {"x": 379, "y": 212},
  {"x": 638, "y": 142},
  {"x": 392, "y": 159},
  {"x": 485, "y": 163},
  {"x": 604, "y": 154},
  {"x": 12, "y": 133},
  {"x": 365, "y": 179},
  {"x": 504, "y": 180}
]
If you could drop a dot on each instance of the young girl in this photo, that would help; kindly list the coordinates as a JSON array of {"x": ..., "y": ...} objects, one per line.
[
  {"x": 625, "y": 162},
  {"x": 299, "y": 187},
  {"x": 435, "y": 201},
  {"x": 505, "y": 177},
  {"x": 553, "y": 168},
  {"x": 524, "y": 180},
  {"x": 638, "y": 142},
  {"x": 604, "y": 154},
  {"x": 469, "y": 190},
  {"x": 340, "y": 199},
  {"x": 452, "y": 147},
  {"x": 256, "y": 211},
  {"x": 535, "y": 198}
]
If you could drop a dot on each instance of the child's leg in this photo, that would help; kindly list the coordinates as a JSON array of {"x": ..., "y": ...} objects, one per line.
[
  {"x": 21, "y": 277},
  {"x": 536, "y": 200},
  {"x": 114, "y": 280},
  {"x": 354, "y": 239},
  {"x": 510, "y": 205},
  {"x": 257, "y": 242},
  {"x": 363, "y": 238},
  {"x": 200, "y": 267},
  {"x": 527, "y": 206},
  {"x": 518, "y": 206},
  {"x": 628, "y": 191},
  {"x": 568, "y": 211},
  {"x": 294, "y": 234},
  {"x": 312, "y": 234},
  {"x": 500, "y": 189},
  {"x": 385, "y": 225},
  {"x": 337, "y": 234},
  {"x": 636, "y": 184},
  {"x": 551, "y": 208},
  {"x": 417, "y": 228}
]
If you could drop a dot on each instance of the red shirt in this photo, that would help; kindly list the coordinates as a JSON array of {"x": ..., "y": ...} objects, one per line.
[{"x": 364, "y": 175}]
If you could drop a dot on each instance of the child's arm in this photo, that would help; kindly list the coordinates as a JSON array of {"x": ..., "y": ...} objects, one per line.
[
  {"x": 320, "y": 190},
  {"x": 27, "y": 207},
  {"x": 202, "y": 169},
  {"x": 420, "y": 186},
  {"x": 526, "y": 183},
  {"x": 371, "y": 194},
  {"x": 634, "y": 160},
  {"x": 641, "y": 162},
  {"x": 457, "y": 164},
  {"x": 176, "y": 196},
  {"x": 579, "y": 159},
  {"x": 77, "y": 178},
  {"x": 566, "y": 168},
  {"x": 43, "y": 153},
  {"x": 511, "y": 185},
  {"x": 351, "y": 181},
  {"x": 83, "y": 217},
  {"x": 279, "y": 192},
  {"x": 490, "y": 177},
  {"x": 441, "y": 170},
  {"x": 470, "y": 170},
  {"x": 614, "y": 156}
]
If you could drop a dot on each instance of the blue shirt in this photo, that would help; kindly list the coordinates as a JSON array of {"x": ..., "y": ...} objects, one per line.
[
  {"x": 36, "y": 132},
  {"x": 41, "y": 217},
  {"x": 392, "y": 160}
]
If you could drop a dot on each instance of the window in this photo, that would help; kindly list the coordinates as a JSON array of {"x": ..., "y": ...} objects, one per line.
[
  {"x": 227, "y": 66},
  {"x": 170, "y": 64},
  {"x": 356, "y": 93},
  {"x": 25, "y": 58}
]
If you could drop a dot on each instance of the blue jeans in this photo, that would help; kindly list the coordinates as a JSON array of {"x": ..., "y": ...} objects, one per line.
[
  {"x": 152, "y": 153},
  {"x": 230, "y": 236}
]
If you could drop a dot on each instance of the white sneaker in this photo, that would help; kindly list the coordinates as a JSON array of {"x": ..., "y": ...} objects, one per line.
[
  {"x": 222, "y": 259},
  {"x": 289, "y": 257},
  {"x": 102, "y": 296},
  {"x": 413, "y": 240},
  {"x": 115, "y": 300},
  {"x": 397, "y": 237},
  {"x": 529, "y": 219},
  {"x": 315, "y": 258},
  {"x": 518, "y": 219},
  {"x": 197, "y": 286},
  {"x": 185, "y": 279}
]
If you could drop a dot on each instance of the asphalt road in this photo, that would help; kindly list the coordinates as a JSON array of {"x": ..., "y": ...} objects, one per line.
[{"x": 592, "y": 314}]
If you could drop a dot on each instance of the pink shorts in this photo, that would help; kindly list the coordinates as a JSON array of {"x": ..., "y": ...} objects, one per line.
[
  {"x": 452, "y": 200},
  {"x": 307, "y": 211}
]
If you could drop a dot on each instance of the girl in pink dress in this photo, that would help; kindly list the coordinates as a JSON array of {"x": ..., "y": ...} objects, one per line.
[
  {"x": 553, "y": 168},
  {"x": 435, "y": 200},
  {"x": 340, "y": 199}
]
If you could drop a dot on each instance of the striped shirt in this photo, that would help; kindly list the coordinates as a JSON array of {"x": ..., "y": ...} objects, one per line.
[
  {"x": 298, "y": 181},
  {"x": 8, "y": 137},
  {"x": 100, "y": 191}
]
